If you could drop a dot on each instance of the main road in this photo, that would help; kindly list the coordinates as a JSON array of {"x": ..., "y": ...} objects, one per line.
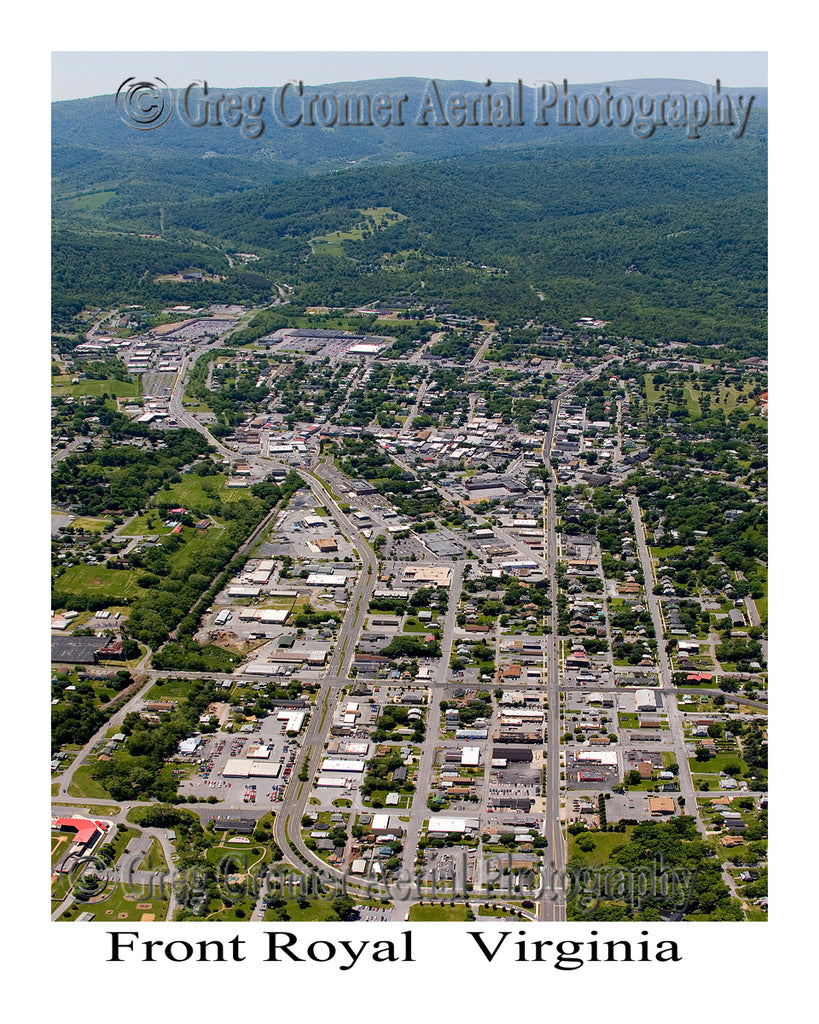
[
  {"x": 687, "y": 791},
  {"x": 553, "y": 898}
]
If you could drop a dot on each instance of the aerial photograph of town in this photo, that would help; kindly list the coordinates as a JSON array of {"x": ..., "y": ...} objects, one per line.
[{"x": 409, "y": 549}]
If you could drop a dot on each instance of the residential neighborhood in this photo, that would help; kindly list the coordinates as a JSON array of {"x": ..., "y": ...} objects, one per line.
[{"x": 401, "y": 617}]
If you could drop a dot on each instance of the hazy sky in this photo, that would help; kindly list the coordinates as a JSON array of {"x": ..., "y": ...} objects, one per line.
[{"x": 78, "y": 74}]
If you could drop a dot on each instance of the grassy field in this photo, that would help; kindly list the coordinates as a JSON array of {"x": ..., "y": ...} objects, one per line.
[
  {"x": 198, "y": 543},
  {"x": 61, "y": 385},
  {"x": 60, "y": 842},
  {"x": 171, "y": 689},
  {"x": 242, "y": 854},
  {"x": 760, "y": 575},
  {"x": 716, "y": 764},
  {"x": 115, "y": 906},
  {"x": 652, "y": 394},
  {"x": 660, "y": 553},
  {"x": 90, "y": 202},
  {"x": 425, "y": 912},
  {"x": 723, "y": 397},
  {"x": 91, "y": 524},
  {"x": 154, "y": 859},
  {"x": 314, "y": 910},
  {"x": 332, "y": 244},
  {"x": 377, "y": 213},
  {"x": 96, "y": 579},
  {"x": 82, "y": 785},
  {"x": 197, "y": 491},
  {"x": 605, "y": 844},
  {"x": 144, "y": 525},
  {"x": 692, "y": 404},
  {"x": 497, "y": 911}
]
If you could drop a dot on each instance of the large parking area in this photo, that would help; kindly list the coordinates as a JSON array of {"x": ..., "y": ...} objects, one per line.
[{"x": 263, "y": 791}]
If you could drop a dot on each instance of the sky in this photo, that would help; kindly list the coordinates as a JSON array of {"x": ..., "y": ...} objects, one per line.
[{"x": 79, "y": 74}]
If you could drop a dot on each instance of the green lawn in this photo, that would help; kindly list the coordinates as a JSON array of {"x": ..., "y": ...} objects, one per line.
[
  {"x": 115, "y": 906},
  {"x": 692, "y": 404},
  {"x": 61, "y": 386},
  {"x": 759, "y": 574},
  {"x": 605, "y": 844},
  {"x": 716, "y": 764},
  {"x": 252, "y": 853},
  {"x": 96, "y": 579},
  {"x": 91, "y": 524},
  {"x": 60, "y": 842},
  {"x": 154, "y": 859},
  {"x": 171, "y": 689},
  {"x": 241, "y": 910},
  {"x": 428, "y": 912},
  {"x": 314, "y": 910},
  {"x": 488, "y": 911}
]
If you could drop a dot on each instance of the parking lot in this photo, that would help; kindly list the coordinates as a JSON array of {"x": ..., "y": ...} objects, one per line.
[{"x": 207, "y": 779}]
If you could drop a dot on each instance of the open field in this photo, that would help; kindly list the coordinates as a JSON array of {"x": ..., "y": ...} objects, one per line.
[
  {"x": 82, "y": 785},
  {"x": 332, "y": 243},
  {"x": 171, "y": 689},
  {"x": 114, "y": 906},
  {"x": 91, "y": 524},
  {"x": 425, "y": 912},
  {"x": 725, "y": 397},
  {"x": 145, "y": 525},
  {"x": 91, "y": 201},
  {"x": 96, "y": 579},
  {"x": 61, "y": 385},
  {"x": 199, "y": 492},
  {"x": 605, "y": 843}
]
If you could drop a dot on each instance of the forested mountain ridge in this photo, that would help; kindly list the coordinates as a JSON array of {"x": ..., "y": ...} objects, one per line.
[
  {"x": 665, "y": 236},
  {"x": 94, "y": 149}
]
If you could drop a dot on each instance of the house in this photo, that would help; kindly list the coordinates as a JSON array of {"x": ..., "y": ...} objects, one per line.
[{"x": 736, "y": 617}]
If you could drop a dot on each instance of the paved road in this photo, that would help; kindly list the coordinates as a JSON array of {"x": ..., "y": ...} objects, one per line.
[
  {"x": 419, "y": 811},
  {"x": 553, "y": 902},
  {"x": 669, "y": 694}
]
